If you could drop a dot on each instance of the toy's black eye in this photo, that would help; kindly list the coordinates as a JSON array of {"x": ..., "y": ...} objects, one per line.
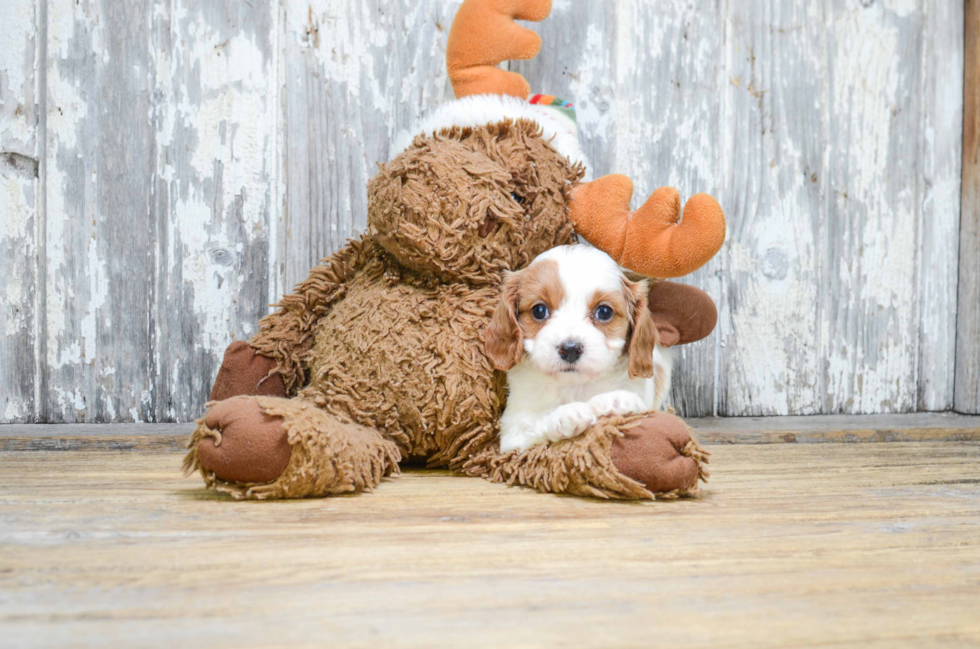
[
  {"x": 540, "y": 312},
  {"x": 517, "y": 197},
  {"x": 604, "y": 313}
]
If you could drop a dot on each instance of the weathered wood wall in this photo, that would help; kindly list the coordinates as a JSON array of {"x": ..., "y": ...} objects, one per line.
[{"x": 170, "y": 167}]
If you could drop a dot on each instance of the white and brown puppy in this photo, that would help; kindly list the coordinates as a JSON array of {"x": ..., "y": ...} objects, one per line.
[{"x": 578, "y": 342}]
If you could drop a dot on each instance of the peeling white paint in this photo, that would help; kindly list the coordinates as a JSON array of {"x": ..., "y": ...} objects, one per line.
[
  {"x": 17, "y": 128},
  {"x": 69, "y": 399},
  {"x": 18, "y": 211},
  {"x": 16, "y": 214}
]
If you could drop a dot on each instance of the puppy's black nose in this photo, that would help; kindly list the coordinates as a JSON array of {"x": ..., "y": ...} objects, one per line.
[{"x": 570, "y": 351}]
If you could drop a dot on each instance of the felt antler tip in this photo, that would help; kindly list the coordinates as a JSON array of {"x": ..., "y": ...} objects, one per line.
[
  {"x": 484, "y": 34},
  {"x": 655, "y": 240}
]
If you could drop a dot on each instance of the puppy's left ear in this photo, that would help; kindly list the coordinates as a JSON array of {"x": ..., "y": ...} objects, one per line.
[
  {"x": 642, "y": 333},
  {"x": 682, "y": 314}
]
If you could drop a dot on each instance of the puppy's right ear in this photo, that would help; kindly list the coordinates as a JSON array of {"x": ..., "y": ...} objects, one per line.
[
  {"x": 642, "y": 331},
  {"x": 504, "y": 343}
]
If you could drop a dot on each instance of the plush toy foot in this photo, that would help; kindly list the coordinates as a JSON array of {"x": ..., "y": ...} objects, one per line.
[
  {"x": 245, "y": 372},
  {"x": 267, "y": 447},
  {"x": 658, "y": 452},
  {"x": 243, "y": 444}
]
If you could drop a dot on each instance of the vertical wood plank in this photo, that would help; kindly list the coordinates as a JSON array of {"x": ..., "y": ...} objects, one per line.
[
  {"x": 357, "y": 73},
  {"x": 825, "y": 315},
  {"x": 967, "y": 397},
  {"x": 18, "y": 209},
  {"x": 99, "y": 251},
  {"x": 668, "y": 124},
  {"x": 215, "y": 195},
  {"x": 775, "y": 134},
  {"x": 163, "y": 174},
  {"x": 940, "y": 133}
]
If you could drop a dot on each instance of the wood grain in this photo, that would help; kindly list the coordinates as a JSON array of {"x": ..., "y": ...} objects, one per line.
[
  {"x": 216, "y": 199},
  {"x": 870, "y": 545},
  {"x": 160, "y": 192},
  {"x": 937, "y": 192},
  {"x": 99, "y": 231},
  {"x": 968, "y": 314},
  {"x": 837, "y": 429}
]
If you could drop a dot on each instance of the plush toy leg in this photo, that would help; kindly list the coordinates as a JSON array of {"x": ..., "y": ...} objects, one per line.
[
  {"x": 639, "y": 457},
  {"x": 267, "y": 447},
  {"x": 245, "y": 372}
]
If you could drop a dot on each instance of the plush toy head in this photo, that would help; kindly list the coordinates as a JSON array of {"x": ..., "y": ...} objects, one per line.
[{"x": 469, "y": 203}]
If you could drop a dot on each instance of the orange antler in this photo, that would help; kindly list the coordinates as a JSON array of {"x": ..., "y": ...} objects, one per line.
[
  {"x": 484, "y": 34},
  {"x": 653, "y": 240}
]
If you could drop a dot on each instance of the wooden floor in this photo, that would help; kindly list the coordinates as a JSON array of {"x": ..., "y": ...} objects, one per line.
[{"x": 872, "y": 544}]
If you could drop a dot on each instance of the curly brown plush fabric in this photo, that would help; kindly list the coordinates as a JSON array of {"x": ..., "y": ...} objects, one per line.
[
  {"x": 382, "y": 347},
  {"x": 584, "y": 465},
  {"x": 406, "y": 358},
  {"x": 328, "y": 457},
  {"x": 287, "y": 335},
  {"x": 389, "y": 332},
  {"x": 430, "y": 206}
]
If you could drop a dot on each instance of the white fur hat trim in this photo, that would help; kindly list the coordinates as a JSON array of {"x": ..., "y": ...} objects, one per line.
[{"x": 480, "y": 110}]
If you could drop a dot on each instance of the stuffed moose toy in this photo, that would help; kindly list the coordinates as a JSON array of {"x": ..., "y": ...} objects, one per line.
[{"x": 378, "y": 357}]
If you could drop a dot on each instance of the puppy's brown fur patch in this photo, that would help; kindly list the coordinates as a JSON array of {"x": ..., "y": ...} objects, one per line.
[
  {"x": 643, "y": 332},
  {"x": 619, "y": 325},
  {"x": 512, "y": 322},
  {"x": 542, "y": 284}
]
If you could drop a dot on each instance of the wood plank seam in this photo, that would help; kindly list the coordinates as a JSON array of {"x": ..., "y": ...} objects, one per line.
[{"x": 832, "y": 429}]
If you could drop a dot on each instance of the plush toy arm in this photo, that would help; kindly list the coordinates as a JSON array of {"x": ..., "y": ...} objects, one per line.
[
  {"x": 654, "y": 240},
  {"x": 287, "y": 336},
  {"x": 682, "y": 314}
]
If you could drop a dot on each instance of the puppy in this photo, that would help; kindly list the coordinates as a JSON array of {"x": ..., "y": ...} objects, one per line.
[{"x": 577, "y": 340}]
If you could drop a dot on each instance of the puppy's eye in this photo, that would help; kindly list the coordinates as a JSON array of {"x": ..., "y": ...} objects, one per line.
[
  {"x": 540, "y": 312},
  {"x": 604, "y": 313},
  {"x": 517, "y": 198}
]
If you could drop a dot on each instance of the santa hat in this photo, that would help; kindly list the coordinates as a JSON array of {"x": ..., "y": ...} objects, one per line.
[{"x": 555, "y": 116}]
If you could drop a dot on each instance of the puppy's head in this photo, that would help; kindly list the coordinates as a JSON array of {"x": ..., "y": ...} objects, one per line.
[{"x": 572, "y": 314}]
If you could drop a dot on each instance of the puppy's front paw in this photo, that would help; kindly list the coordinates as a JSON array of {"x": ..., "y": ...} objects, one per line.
[
  {"x": 618, "y": 402},
  {"x": 568, "y": 420}
]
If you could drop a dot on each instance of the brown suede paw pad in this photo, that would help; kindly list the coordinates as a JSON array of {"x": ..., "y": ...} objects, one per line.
[
  {"x": 243, "y": 443},
  {"x": 659, "y": 453},
  {"x": 244, "y": 372}
]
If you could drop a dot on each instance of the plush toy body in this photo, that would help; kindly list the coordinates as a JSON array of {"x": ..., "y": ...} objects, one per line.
[{"x": 378, "y": 357}]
